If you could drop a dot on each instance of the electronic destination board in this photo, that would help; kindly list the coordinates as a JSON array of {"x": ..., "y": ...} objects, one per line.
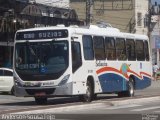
[{"x": 41, "y": 34}]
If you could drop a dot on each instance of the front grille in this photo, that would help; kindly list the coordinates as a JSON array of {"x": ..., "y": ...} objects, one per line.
[{"x": 46, "y": 90}]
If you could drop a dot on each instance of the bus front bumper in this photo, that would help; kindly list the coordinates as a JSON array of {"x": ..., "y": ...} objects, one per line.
[{"x": 63, "y": 90}]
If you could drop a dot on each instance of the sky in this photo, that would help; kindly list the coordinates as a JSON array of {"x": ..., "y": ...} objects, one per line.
[{"x": 153, "y": 1}]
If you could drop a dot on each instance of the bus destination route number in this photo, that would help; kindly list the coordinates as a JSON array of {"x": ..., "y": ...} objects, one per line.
[{"x": 41, "y": 34}]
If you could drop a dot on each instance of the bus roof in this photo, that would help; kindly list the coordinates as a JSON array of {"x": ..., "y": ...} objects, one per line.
[{"x": 92, "y": 30}]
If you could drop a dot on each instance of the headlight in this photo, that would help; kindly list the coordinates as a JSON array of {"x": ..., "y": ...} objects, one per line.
[{"x": 64, "y": 80}]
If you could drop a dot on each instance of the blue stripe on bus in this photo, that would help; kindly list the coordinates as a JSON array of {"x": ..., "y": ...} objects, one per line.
[
  {"x": 140, "y": 84},
  {"x": 111, "y": 82}
]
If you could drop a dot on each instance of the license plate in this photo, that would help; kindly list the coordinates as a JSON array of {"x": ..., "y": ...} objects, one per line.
[{"x": 40, "y": 94}]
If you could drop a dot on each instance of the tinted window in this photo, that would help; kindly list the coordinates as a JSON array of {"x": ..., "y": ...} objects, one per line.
[
  {"x": 146, "y": 49},
  {"x": 140, "y": 50},
  {"x": 76, "y": 56},
  {"x": 1, "y": 72},
  {"x": 130, "y": 48},
  {"x": 88, "y": 48},
  {"x": 120, "y": 49},
  {"x": 50, "y": 58},
  {"x": 99, "y": 48},
  {"x": 8, "y": 73},
  {"x": 110, "y": 48}
]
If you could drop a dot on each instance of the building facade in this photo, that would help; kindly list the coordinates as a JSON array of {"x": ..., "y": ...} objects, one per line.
[
  {"x": 126, "y": 15},
  {"x": 141, "y": 16},
  {"x": 155, "y": 33},
  {"x": 22, "y": 14}
]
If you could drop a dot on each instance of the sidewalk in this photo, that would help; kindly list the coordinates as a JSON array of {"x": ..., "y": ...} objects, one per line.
[{"x": 155, "y": 84}]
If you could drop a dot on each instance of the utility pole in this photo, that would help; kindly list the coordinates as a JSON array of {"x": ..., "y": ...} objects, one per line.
[
  {"x": 89, "y": 12},
  {"x": 149, "y": 19}
]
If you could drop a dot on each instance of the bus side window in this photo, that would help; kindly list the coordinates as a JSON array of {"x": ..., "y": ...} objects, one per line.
[
  {"x": 99, "y": 48},
  {"x": 146, "y": 49},
  {"x": 121, "y": 49},
  {"x": 130, "y": 48},
  {"x": 88, "y": 47},
  {"x": 76, "y": 56},
  {"x": 140, "y": 50},
  {"x": 110, "y": 48}
]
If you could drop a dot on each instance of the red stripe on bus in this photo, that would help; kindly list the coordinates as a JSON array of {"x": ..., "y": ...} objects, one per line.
[
  {"x": 107, "y": 69},
  {"x": 120, "y": 72}
]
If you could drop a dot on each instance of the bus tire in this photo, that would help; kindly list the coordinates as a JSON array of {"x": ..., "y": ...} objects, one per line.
[
  {"x": 130, "y": 89},
  {"x": 41, "y": 100},
  {"x": 88, "y": 97}
]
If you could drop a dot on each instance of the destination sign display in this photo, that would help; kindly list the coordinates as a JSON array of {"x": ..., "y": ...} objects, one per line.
[{"x": 41, "y": 34}]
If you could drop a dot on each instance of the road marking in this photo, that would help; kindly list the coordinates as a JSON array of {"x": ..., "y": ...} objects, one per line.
[
  {"x": 148, "y": 108},
  {"x": 123, "y": 106},
  {"x": 157, "y": 111},
  {"x": 65, "y": 108}
]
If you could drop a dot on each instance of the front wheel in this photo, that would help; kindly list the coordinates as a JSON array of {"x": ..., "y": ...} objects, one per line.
[
  {"x": 89, "y": 93},
  {"x": 41, "y": 100}
]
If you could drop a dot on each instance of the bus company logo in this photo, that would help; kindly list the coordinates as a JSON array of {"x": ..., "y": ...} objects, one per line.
[
  {"x": 124, "y": 68},
  {"x": 101, "y": 63}
]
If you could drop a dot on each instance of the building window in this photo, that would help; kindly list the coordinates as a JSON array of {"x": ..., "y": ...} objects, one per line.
[
  {"x": 146, "y": 20},
  {"x": 88, "y": 47},
  {"x": 99, "y": 48},
  {"x": 139, "y": 19}
]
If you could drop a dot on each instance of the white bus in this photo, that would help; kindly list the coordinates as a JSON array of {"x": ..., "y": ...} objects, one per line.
[{"x": 84, "y": 62}]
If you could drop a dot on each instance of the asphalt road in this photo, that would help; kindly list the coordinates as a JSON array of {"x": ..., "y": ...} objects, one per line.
[{"x": 105, "y": 105}]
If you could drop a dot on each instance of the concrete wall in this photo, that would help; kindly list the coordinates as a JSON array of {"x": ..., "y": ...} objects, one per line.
[
  {"x": 55, "y": 3},
  {"x": 141, "y": 6},
  {"x": 119, "y": 14}
]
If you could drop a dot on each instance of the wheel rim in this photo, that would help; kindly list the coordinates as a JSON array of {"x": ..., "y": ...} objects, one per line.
[{"x": 131, "y": 89}]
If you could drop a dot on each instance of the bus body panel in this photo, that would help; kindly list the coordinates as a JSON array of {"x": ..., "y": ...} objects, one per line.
[{"x": 109, "y": 76}]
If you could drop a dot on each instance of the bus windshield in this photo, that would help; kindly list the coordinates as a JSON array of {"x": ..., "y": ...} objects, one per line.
[{"x": 41, "y": 60}]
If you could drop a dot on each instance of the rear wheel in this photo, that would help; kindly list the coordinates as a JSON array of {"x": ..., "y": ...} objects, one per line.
[
  {"x": 41, "y": 100},
  {"x": 130, "y": 89},
  {"x": 89, "y": 93}
]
